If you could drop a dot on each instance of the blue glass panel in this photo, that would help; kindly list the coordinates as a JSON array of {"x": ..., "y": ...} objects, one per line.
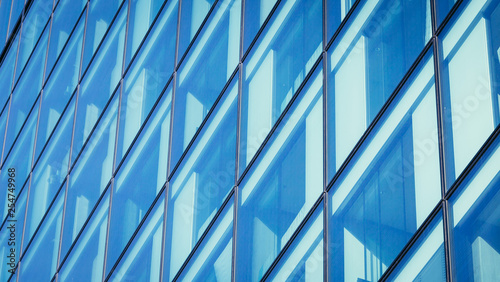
[
  {"x": 141, "y": 262},
  {"x": 26, "y": 92},
  {"x": 366, "y": 64},
  {"x": 390, "y": 186},
  {"x": 201, "y": 182},
  {"x": 40, "y": 260},
  {"x": 212, "y": 260},
  {"x": 9, "y": 263},
  {"x": 96, "y": 160},
  {"x": 470, "y": 82},
  {"x": 100, "y": 80},
  {"x": 303, "y": 261},
  {"x": 65, "y": 17},
  {"x": 139, "y": 178},
  {"x": 99, "y": 18},
  {"x": 4, "y": 20},
  {"x": 6, "y": 75},
  {"x": 48, "y": 174},
  {"x": 60, "y": 86},
  {"x": 192, "y": 14},
  {"x": 475, "y": 216},
  {"x": 208, "y": 66},
  {"x": 425, "y": 260},
  {"x": 283, "y": 184},
  {"x": 147, "y": 76},
  {"x": 86, "y": 259},
  {"x": 33, "y": 25},
  {"x": 141, "y": 15},
  {"x": 442, "y": 9},
  {"x": 275, "y": 68},
  {"x": 336, "y": 12},
  {"x": 256, "y": 13}
]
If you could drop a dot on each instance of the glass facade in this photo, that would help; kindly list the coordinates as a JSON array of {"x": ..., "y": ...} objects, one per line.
[{"x": 250, "y": 140}]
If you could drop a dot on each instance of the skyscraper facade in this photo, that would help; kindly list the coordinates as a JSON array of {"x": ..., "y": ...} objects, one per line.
[{"x": 247, "y": 140}]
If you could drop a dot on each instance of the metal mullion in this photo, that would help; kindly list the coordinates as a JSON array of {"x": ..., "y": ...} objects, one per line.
[
  {"x": 238, "y": 122},
  {"x": 235, "y": 232},
  {"x": 171, "y": 132},
  {"x": 177, "y": 37},
  {"x": 448, "y": 239},
  {"x": 110, "y": 206},
  {"x": 164, "y": 231},
  {"x": 61, "y": 234}
]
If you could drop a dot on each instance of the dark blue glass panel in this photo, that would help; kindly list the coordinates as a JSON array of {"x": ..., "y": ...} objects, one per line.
[
  {"x": 336, "y": 12},
  {"x": 275, "y": 68},
  {"x": 139, "y": 178},
  {"x": 425, "y": 260},
  {"x": 4, "y": 20},
  {"x": 470, "y": 82},
  {"x": 141, "y": 262},
  {"x": 303, "y": 261},
  {"x": 86, "y": 259},
  {"x": 201, "y": 182},
  {"x": 256, "y": 13},
  {"x": 442, "y": 9},
  {"x": 207, "y": 67},
  {"x": 366, "y": 62},
  {"x": 212, "y": 260},
  {"x": 283, "y": 183},
  {"x": 475, "y": 215},
  {"x": 6, "y": 75},
  {"x": 390, "y": 185}
]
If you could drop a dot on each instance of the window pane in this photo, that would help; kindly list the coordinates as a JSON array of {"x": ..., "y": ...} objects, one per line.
[
  {"x": 366, "y": 64},
  {"x": 475, "y": 216},
  {"x": 275, "y": 68},
  {"x": 303, "y": 261},
  {"x": 205, "y": 71},
  {"x": 442, "y": 9},
  {"x": 87, "y": 256},
  {"x": 6, "y": 75},
  {"x": 201, "y": 182},
  {"x": 96, "y": 160},
  {"x": 336, "y": 12},
  {"x": 390, "y": 186},
  {"x": 470, "y": 76},
  {"x": 212, "y": 260},
  {"x": 4, "y": 20},
  {"x": 283, "y": 183},
  {"x": 141, "y": 262},
  {"x": 425, "y": 260},
  {"x": 139, "y": 179},
  {"x": 256, "y": 13}
]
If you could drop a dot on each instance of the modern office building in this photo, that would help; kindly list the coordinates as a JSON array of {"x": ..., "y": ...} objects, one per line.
[{"x": 241, "y": 140}]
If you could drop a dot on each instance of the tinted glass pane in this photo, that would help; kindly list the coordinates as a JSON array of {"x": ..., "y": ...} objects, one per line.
[
  {"x": 283, "y": 183},
  {"x": 475, "y": 216},
  {"x": 6, "y": 75},
  {"x": 303, "y": 261},
  {"x": 366, "y": 64},
  {"x": 275, "y": 68},
  {"x": 213, "y": 258},
  {"x": 470, "y": 82},
  {"x": 443, "y": 7},
  {"x": 141, "y": 262},
  {"x": 201, "y": 182},
  {"x": 256, "y": 13},
  {"x": 390, "y": 186},
  {"x": 208, "y": 66},
  {"x": 336, "y": 12},
  {"x": 4, "y": 20}
]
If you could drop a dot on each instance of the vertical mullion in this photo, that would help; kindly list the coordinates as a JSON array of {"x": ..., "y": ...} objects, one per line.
[{"x": 235, "y": 232}]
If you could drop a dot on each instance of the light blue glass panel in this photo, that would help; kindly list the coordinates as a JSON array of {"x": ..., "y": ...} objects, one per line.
[
  {"x": 336, "y": 12},
  {"x": 4, "y": 20},
  {"x": 283, "y": 184},
  {"x": 208, "y": 66},
  {"x": 390, "y": 185},
  {"x": 8, "y": 263},
  {"x": 141, "y": 262},
  {"x": 96, "y": 160},
  {"x": 61, "y": 85},
  {"x": 139, "y": 178},
  {"x": 99, "y": 19},
  {"x": 147, "y": 76},
  {"x": 48, "y": 174},
  {"x": 141, "y": 15},
  {"x": 100, "y": 80},
  {"x": 256, "y": 13},
  {"x": 193, "y": 12},
  {"x": 442, "y": 9},
  {"x": 86, "y": 260},
  {"x": 33, "y": 25},
  {"x": 475, "y": 215},
  {"x": 6, "y": 75},
  {"x": 40, "y": 260},
  {"x": 303, "y": 261},
  {"x": 470, "y": 82},
  {"x": 275, "y": 68},
  {"x": 425, "y": 260},
  {"x": 65, "y": 18},
  {"x": 367, "y": 61},
  {"x": 201, "y": 182},
  {"x": 25, "y": 97},
  {"x": 212, "y": 260}
]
